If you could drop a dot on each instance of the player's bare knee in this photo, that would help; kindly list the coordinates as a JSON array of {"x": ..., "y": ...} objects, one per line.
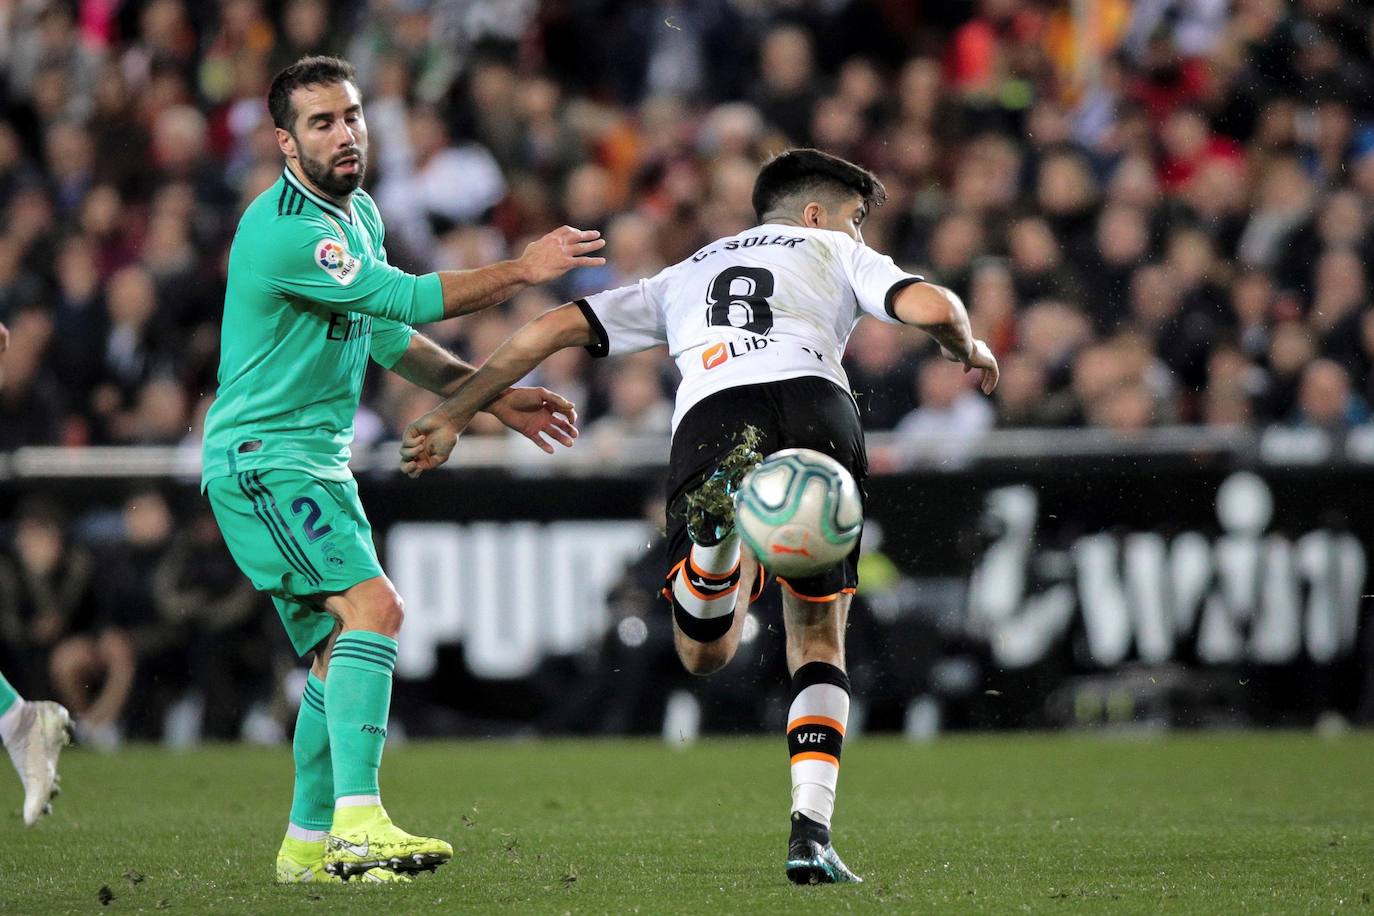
[
  {"x": 382, "y": 614},
  {"x": 393, "y": 614},
  {"x": 373, "y": 605},
  {"x": 703, "y": 658},
  {"x": 705, "y": 646}
]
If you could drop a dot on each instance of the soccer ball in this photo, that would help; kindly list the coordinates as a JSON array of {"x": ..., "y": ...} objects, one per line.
[{"x": 799, "y": 511}]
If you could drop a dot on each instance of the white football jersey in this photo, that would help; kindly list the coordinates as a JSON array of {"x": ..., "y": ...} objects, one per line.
[{"x": 774, "y": 302}]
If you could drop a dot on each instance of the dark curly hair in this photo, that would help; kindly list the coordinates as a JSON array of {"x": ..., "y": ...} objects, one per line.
[
  {"x": 796, "y": 171},
  {"x": 308, "y": 71}
]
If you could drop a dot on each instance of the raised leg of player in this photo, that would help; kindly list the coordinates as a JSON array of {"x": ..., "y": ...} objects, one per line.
[
  {"x": 711, "y": 587},
  {"x": 816, "y": 723},
  {"x": 709, "y": 604},
  {"x": 34, "y": 734},
  {"x": 357, "y": 701}
]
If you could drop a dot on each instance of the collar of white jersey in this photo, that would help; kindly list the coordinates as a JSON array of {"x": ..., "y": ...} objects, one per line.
[{"x": 317, "y": 200}]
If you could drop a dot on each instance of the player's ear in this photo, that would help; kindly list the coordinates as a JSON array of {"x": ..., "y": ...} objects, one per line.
[
  {"x": 813, "y": 215},
  {"x": 285, "y": 142}
]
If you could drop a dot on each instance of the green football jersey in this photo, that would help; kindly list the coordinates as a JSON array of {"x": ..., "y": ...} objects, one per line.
[{"x": 310, "y": 298}]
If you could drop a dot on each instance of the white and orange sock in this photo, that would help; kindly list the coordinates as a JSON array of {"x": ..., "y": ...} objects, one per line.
[
  {"x": 702, "y": 589},
  {"x": 815, "y": 737}
]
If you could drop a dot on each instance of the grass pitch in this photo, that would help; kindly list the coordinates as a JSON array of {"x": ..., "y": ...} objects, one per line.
[{"x": 1206, "y": 824}]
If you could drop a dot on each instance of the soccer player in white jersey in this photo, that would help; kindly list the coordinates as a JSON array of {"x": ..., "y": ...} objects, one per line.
[{"x": 757, "y": 324}]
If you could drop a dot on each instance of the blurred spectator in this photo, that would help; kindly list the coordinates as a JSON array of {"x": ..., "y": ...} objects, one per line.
[
  {"x": 441, "y": 186},
  {"x": 1052, "y": 332},
  {"x": 1340, "y": 294},
  {"x": 1285, "y": 197},
  {"x": 638, "y": 406},
  {"x": 881, "y": 374},
  {"x": 957, "y": 241},
  {"x": 992, "y": 304},
  {"x": 1067, "y": 193},
  {"x": 1226, "y": 407},
  {"x": 1341, "y": 221},
  {"x": 1126, "y": 410},
  {"x": 305, "y": 31},
  {"x": 1251, "y": 301},
  {"x": 1325, "y": 399},
  {"x": 71, "y": 158},
  {"x": 1188, "y": 145},
  {"x": 45, "y": 592},
  {"x": 1233, "y": 386},
  {"x": 133, "y": 354},
  {"x": 786, "y": 88},
  {"x": 45, "y": 40},
  {"x": 1123, "y": 241},
  {"x": 119, "y": 136},
  {"x": 30, "y": 395},
  {"x": 198, "y": 590},
  {"x": 1038, "y": 268},
  {"x": 1178, "y": 337},
  {"x": 633, "y": 254},
  {"x": 1290, "y": 350},
  {"x": 1022, "y": 394},
  {"x": 950, "y": 416},
  {"x": 126, "y": 643}
]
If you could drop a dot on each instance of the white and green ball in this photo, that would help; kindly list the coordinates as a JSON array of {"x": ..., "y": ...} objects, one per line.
[{"x": 799, "y": 511}]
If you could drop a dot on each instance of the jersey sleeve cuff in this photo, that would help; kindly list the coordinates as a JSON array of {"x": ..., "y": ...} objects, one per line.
[
  {"x": 429, "y": 299},
  {"x": 602, "y": 347},
  {"x": 890, "y": 300},
  {"x": 389, "y": 355}
]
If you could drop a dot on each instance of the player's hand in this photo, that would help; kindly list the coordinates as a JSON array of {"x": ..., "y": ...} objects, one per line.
[
  {"x": 536, "y": 413},
  {"x": 4, "y": 338},
  {"x": 427, "y": 443},
  {"x": 981, "y": 358},
  {"x": 559, "y": 252}
]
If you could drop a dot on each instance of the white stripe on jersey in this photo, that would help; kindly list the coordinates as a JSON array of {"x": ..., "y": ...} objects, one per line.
[{"x": 772, "y": 303}]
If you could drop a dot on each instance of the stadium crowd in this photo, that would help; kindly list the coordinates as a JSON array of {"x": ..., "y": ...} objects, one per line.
[
  {"x": 1159, "y": 215},
  {"x": 1163, "y": 219}
]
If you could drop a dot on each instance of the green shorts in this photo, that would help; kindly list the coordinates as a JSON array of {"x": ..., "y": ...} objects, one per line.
[{"x": 298, "y": 538}]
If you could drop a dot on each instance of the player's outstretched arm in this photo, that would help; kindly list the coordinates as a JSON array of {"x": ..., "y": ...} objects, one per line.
[
  {"x": 430, "y": 440},
  {"x": 545, "y": 259},
  {"x": 940, "y": 313},
  {"x": 538, "y": 414}
]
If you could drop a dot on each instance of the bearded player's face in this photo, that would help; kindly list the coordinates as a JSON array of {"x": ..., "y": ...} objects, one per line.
[{"x": 330, "y": 136}]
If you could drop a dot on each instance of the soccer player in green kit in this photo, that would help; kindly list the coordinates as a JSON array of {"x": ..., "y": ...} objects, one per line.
[{"x": 310, "y": 299}]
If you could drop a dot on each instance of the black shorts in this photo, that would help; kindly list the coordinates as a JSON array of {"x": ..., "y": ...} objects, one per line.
[{"x": 808, "y": 412}]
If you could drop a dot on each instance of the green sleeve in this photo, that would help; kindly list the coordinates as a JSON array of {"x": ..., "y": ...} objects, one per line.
[
  {"x": 308, "y": 259},
  {"x": 390, "y": 340}
]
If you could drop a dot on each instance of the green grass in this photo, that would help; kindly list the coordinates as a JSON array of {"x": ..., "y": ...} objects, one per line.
[{"x": 1208, "y": 824}]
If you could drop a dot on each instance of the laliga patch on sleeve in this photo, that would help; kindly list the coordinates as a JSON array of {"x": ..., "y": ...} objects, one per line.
[{"x": 335, "y": 260}]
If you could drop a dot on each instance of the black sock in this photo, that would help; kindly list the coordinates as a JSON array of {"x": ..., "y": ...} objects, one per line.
[{"x": 804, "y": 828}]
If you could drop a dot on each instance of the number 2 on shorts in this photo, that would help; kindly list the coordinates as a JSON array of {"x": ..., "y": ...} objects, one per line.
[{"x": 308, "y": 505}]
